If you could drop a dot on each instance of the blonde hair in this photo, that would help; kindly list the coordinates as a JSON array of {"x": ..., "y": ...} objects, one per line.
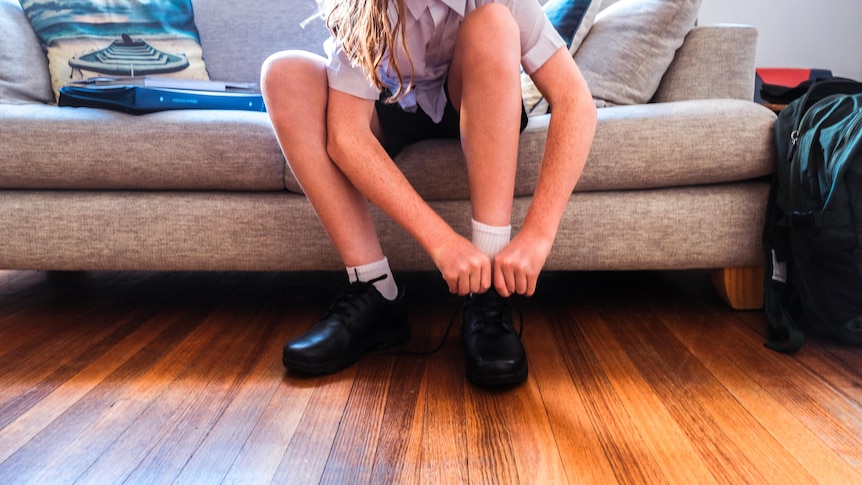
[{"x": 364, "y": 30}]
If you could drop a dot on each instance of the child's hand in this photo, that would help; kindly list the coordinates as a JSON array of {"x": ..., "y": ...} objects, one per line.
[
  {"x": 464, "y": 268},
  {"x": 517, "y": 266}
]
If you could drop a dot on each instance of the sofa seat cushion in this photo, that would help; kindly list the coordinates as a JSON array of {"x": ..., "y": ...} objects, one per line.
[
  {"x": 636, "y": 147},
  {"x": 678, "y": 144},
  {"x": 82, "y": 148}
]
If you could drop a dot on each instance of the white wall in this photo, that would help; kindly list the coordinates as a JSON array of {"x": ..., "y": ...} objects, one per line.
[{"x": 823, "y": 34}]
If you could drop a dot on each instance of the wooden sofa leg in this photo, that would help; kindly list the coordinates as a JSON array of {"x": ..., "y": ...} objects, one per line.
[{"x": 741, "y": 288}]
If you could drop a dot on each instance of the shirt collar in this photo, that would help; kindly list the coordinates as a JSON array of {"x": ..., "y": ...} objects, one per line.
[{"x": 417, "y": 7}]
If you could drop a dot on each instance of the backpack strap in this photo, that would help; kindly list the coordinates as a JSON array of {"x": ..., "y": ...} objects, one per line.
[
  {"x": 784, "y": 336},
  {"x": 778, "y": 297}
]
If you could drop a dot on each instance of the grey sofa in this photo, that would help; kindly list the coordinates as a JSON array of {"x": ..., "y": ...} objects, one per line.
[{"x": 677, "y": 183}]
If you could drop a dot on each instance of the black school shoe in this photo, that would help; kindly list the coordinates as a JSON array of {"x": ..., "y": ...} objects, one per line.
[
  {"x": 494, "y": 353},
  {"x": 359, "y": 321}
]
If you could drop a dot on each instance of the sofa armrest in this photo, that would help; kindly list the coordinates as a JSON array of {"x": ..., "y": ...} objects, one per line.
[{"x": 715, "y": 61}]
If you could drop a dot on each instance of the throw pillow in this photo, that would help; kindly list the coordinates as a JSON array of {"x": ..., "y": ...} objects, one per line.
[
  {"x": 24, "y": 73},
  {"x": 631, "y": 45},
  {"x": 85, "y": 38},
  {"x": 572, "y": 19}
]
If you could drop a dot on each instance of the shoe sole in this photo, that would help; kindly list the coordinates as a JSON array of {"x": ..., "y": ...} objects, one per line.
[
  {"x": 378, "y": 341},
  {"x": 500, "y": 380}
]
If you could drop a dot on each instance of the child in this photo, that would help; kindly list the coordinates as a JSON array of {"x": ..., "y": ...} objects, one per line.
[{"x": 399, "y": 71}]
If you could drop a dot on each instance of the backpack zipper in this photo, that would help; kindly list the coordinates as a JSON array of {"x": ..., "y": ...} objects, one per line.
[{"x": 791, "y": 149}]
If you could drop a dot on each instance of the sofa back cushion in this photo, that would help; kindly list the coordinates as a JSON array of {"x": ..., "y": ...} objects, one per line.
[
  {"x": 630, "y": 47},
  {"x": 23, "y": 67},
  {"x": 238, "y": 36}
]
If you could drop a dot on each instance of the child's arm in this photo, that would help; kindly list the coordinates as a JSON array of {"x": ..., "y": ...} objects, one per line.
[{"x": 570, "y": 135}]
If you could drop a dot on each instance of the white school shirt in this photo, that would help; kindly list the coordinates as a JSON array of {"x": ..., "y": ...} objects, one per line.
[{"x": 431, "y": 27}]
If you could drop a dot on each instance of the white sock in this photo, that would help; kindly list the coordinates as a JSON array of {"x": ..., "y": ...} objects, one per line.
[
  {"x": 491, "y": 239},
  {"x": 367, "y": 272}
]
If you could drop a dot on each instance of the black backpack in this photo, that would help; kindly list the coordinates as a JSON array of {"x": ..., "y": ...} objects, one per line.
[{"x": 812, "y": 236}]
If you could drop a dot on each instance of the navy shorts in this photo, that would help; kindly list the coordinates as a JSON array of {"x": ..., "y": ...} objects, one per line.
[{"x": 401, "y": 128}]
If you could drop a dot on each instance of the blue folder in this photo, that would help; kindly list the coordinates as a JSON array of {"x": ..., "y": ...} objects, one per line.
[{"x": 145, "y": 99}]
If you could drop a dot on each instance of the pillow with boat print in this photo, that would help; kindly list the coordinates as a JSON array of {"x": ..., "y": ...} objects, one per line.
[{"x": 86, "y": 38}]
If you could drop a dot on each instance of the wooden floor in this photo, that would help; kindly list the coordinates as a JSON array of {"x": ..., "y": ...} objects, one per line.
[{"x": 634, "y": 378}]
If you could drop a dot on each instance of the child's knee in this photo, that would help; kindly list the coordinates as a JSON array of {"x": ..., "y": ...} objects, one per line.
[
  {"x": 491, "y": 19},
  {"x": 490, "y": 30},
  {"x": 286, "y": 67}
]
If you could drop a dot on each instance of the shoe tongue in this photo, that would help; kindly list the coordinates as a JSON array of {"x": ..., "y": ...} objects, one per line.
[
  {"x": 492, "y": 315},
  {"x": 352, "y": 298}
]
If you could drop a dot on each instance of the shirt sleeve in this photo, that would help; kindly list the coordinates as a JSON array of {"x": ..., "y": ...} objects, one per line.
[
  {"x": 539, "y": 39},
  {"x": 343, "y": 76}
]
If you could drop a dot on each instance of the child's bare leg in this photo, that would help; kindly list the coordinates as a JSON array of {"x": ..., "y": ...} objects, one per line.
[
  {"x": 368, "y": 315},
  {"x": 295, "y": 88},
  {"x": 484, "y": 86}
]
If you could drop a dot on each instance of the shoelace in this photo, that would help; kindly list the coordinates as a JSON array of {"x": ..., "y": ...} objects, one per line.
[
  {"x": 495, "y": 313},
  {"x": 458, "y": 308},
  {"x": 352, "y": 299}
]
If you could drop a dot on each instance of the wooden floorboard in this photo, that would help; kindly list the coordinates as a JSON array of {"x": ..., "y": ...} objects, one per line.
[{"x": 635, "y": 377}]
